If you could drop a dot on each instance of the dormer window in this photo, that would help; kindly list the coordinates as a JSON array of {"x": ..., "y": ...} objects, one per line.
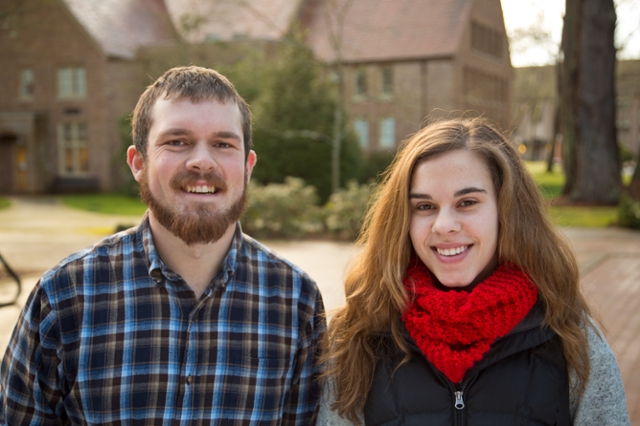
[{"x": 486, "y": 40}]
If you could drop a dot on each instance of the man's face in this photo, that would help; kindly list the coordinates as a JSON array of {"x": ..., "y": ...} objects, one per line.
[{"x": 194, "y": 177}]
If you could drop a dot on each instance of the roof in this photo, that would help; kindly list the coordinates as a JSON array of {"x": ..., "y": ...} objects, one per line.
[
  {"x": 120, "y": 27},
  {"x": 202, "y": 20},
  {"x": 377, "y": 30}
]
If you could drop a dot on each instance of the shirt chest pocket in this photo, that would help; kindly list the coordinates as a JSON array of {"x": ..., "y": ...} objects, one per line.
[{"x": 257, "y": 385}]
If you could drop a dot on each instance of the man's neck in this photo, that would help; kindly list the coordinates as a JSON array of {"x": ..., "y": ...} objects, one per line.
[{"x": 197, "y": 264}]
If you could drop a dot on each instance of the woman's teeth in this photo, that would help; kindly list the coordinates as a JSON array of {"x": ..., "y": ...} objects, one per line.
[{"x": 452, "y": 251}]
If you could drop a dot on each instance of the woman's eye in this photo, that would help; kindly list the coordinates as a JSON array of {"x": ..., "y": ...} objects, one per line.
[
  {"x": 424, "y": 207},
  {"x": 468, "y": 203}
]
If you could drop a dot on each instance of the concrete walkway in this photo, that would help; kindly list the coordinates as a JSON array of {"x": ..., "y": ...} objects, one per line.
[{"x": 37, "y": 232}]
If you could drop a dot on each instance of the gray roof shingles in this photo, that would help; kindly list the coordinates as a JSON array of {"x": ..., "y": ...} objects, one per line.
[
  {"x": 120, "y": 27},
  {"x": 387, "y": 29}
]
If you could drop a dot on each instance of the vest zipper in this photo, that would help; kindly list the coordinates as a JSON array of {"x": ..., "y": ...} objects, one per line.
[{"x": 459, "y": 403}]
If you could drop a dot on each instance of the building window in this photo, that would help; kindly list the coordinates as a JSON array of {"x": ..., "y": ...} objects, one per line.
[
  {"x": 388, "y": 133},
  {"x": 486, "y": 40},
  {"x": 74, "y": 155},
  {"x": 72, "y": 82},
  {"x": 362, "y": 131},
  {"x": 360, "y": 82},
  {"x": 482, "y": 88},
  {"x": 26, "y": 83},
  {"x": 386, "y": 82}
]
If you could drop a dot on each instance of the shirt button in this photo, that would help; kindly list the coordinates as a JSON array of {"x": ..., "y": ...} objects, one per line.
[{"x": 189, "y": 380}]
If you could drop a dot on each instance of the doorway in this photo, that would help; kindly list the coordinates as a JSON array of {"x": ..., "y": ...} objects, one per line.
[{"x": 13, "y": 164}]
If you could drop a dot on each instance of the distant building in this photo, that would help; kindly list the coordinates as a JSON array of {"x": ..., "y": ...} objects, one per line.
[
  {"x": 405, "y": 60},
  {"x": 536, "y": 103},
  {"x": 71, "y": 69}
]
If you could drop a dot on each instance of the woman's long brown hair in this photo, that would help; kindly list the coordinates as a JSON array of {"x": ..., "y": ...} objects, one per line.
[{"x": 375, "y": 295}]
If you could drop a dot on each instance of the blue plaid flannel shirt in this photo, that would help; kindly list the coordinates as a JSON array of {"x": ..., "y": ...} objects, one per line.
[{"x": 112, "y": 336}]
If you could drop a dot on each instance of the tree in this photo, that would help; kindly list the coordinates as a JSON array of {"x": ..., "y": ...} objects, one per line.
[
  {"x": 294, "y": 103},
  {"x": 587, "y": 102}
]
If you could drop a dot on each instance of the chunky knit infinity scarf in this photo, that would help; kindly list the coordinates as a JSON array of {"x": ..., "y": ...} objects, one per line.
[{"x": 454, "y": 329}]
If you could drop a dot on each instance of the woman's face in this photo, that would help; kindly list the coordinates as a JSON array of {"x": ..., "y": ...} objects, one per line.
[{"x": 454, "y": 218}]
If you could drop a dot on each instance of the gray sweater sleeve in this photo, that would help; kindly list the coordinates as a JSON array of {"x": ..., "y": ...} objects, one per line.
[
  {"x": 603, "y": 401},
  {"x": 328, "y": 417}
]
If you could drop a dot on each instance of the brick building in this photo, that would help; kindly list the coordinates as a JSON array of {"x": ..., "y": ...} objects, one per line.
[
  {"x": 69, "y": 71},
  {"x": 72, "y": 68},
  {"x": 404, "y": 60}
]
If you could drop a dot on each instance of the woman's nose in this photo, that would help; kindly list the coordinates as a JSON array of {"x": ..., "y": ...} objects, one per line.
[{"x": 446, "y": 222}]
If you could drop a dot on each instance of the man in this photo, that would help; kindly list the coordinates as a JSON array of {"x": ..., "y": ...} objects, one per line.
[{"x": 183, "y": 319}]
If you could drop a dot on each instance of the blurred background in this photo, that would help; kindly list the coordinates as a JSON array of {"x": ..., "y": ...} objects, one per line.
[{"x": 335, "y": 87}]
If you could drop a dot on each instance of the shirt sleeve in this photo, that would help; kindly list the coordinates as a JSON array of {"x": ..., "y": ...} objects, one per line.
[
  {"x": 29, "y": 377},
  {"x": 603, "y": 401},
  {"x": 302, "y": 406}
]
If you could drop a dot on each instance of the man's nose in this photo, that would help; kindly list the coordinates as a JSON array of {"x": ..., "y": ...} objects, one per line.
[{"x": 201, "y": 158}]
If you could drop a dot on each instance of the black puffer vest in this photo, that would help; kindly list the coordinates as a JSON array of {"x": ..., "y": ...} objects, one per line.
[{"x": 522, "y": 380}]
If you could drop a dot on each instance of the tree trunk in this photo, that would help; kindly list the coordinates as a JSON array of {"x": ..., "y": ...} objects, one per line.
[
  {"x": 590, "y": 151},
  {"x": 634, "y": 186}
]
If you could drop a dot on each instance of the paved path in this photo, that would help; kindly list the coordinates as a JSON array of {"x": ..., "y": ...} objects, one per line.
[{"x": 37, "y": 232}]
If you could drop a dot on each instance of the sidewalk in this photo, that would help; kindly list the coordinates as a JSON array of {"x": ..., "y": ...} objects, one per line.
[{"x": 37, "y": 232}]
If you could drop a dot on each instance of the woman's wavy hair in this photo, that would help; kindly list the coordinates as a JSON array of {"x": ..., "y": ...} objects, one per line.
[{"x": 375, "y": 294}]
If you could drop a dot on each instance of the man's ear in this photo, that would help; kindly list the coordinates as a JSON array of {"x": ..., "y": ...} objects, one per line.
[
  {"x": 135, "y": 160},
  {"x": 251, "y": 162}
]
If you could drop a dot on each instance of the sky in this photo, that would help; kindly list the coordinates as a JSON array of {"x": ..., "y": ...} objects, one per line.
[{"x": 522, "y": 14}]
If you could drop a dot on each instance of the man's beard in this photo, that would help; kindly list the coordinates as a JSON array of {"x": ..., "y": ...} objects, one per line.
[{"x": 201, "y": 225}]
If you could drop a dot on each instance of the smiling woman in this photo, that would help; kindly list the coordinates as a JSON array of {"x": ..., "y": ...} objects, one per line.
[{"x": 463, "y": 303}]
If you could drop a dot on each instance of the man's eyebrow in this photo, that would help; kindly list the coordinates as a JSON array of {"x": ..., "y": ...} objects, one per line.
[{"x": 178, "y": 131}]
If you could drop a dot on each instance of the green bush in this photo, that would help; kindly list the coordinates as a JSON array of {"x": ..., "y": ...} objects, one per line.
[
  {"x": 629, "y": 212},
  {"x": 345, "y": 210},
  {"x": 282, "y": 210}
]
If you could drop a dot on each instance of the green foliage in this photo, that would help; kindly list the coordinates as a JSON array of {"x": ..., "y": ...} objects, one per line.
[
  {"x": 130, "y": 186},
  {"x": 373, "y": 165},
  {"x": 629, "y": 212},
  {"x": 346, "y": 208},
  {"x": 287, "y": 210},
  {"x": 106, "y": 203},
  {"x": 294, "y": 115}
]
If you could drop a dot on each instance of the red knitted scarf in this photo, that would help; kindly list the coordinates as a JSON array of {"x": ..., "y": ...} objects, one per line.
[{"x": 455, "y": 329}]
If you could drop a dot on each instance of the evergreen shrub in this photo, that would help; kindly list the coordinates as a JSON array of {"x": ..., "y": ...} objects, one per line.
[{"x": 629, "y": 212}]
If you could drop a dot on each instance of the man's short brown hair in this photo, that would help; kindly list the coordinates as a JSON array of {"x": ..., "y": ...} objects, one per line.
[{"x": 195, "y": 84}]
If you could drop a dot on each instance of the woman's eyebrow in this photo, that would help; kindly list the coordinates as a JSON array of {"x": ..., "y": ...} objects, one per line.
[{"x": 466, "y": 191}]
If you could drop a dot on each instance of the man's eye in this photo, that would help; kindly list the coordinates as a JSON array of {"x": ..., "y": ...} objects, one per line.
[{"x": 175, "y": 142}]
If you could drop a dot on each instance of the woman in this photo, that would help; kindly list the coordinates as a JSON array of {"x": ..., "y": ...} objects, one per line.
[{"x": 463, "y": 304}]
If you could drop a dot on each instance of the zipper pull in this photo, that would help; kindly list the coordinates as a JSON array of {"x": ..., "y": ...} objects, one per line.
[{"x": 459, "y": 401}]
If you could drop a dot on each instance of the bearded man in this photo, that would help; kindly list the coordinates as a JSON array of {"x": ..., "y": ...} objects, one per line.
[{"x": 182, "y": 319}]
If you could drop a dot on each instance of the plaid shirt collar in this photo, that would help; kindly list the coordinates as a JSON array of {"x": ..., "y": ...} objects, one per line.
[{"x": 159, "y": 270}]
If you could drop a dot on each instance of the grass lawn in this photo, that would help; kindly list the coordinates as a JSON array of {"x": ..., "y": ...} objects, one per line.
[
  {"x": 551, "y": 185},
  {"x": 4, "y": 203},
  {"x": 106, "y": 203}
]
